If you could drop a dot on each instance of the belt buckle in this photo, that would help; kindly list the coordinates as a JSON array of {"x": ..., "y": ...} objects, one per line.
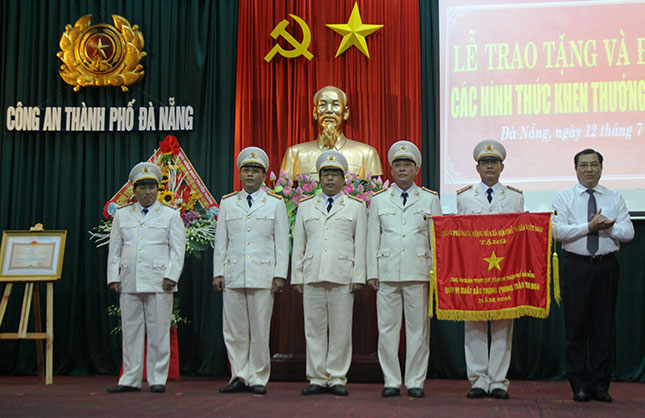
[{"x": 598, "y": 259}]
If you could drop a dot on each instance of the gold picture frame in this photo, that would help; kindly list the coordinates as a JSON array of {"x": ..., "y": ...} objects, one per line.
[{"x": 28, "y": 256}]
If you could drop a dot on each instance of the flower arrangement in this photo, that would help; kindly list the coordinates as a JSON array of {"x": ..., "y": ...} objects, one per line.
[
  {"x": 181, "y": 188},
  {"x": 293, "y": 192}
]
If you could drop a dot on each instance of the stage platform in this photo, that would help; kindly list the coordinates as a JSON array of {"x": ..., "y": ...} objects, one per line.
[{"x": 198, "y": 397}]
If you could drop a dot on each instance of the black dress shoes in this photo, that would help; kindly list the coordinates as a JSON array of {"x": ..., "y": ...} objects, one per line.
[
  {"x": 416, "y": 393},
  {"x": 157, "y": 388},
  {"x": 313, "y": 390},
  {"x": 476, "y": 393},
  {"x": 123, "y": 389},
  {"x": 581, "y": 396},
  {"x": 235, "y": 386},
  {"x": 499, "y": 393},
  {"x": 390, "y": 392},
  {"x": 602, "y": 396},
  {"x": 339, "y": 390},
  {"x": 258, "y": 389}
]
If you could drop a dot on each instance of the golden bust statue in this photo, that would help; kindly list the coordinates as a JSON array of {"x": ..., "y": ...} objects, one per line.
[{"x": 331, "y": 111}]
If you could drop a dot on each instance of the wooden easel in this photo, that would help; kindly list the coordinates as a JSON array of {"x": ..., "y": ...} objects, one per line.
[
  {"x": 32, "y": 257},
  {"x": 32, "y": 295}
]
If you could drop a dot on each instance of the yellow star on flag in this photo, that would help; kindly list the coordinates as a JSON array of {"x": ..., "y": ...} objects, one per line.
[
  {"x": 493, "y": 261},
  {"x": 354, "y": 33}
]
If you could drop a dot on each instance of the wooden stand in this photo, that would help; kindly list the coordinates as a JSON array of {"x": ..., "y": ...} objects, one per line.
[{"x": 33, "y": 294}]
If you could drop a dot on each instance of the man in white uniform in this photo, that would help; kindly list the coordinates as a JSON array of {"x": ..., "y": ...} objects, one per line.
[
  {"x": 591, "y": 221},
  {"x": 487, "y": 372},
  {"x": 399, "y": 260},
  {"x": 146, "y": 256},
  {"x": 250, "y": 263},
  {"x": 328, "y": 265}
]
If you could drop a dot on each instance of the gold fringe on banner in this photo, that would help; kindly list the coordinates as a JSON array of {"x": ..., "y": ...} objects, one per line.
[
  {"x": 556, "y": 268},
  {"x": 507, "y": 313},
  {"x": 433, "y": 275}
]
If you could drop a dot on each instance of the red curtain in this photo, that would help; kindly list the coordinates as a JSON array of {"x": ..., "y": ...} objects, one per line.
[{"x": 274, "y": 100}]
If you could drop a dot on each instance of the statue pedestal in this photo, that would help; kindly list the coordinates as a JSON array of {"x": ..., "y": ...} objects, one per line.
[{"x": 288, "y": 346}]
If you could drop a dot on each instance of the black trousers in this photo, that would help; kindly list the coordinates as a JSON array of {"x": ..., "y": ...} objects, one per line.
[{"x": 589, "y": 291}]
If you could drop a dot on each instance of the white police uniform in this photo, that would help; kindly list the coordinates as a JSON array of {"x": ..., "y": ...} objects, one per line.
[
  {"x": 143, "y": 250},
  {"x": 399, "y": 256},
  {"x": 328, "y": 256},
  {"x": 488, "y": 372},
  {"x": 251, "y": 248}
]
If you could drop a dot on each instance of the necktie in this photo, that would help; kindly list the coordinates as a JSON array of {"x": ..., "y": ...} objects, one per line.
[
  {"x": 592, "y": 237},
  {"x": 330, "y": 203},
  {"x": 404, "y": 196},
  {"x": 489, "y": 192},
  {"x": 145, "y": 211},
  {"x": 249, "y": 199}
]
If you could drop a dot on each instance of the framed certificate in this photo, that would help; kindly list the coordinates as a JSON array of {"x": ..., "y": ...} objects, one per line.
[{"x": 31, "y": 255}]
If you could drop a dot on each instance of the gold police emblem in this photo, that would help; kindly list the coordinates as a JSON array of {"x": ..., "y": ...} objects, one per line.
[
  {"x": 404, "y": 148},
  {"x": 489, "y": 147},
  {"x": 253, "y": 155},
  {"x": 145, "y": 170},
  {"x": 331, "y": 158},
  {"x": 101, "y": 55}
]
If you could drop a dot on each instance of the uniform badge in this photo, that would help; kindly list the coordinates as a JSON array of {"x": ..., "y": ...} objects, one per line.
[
  {"x": 331, "y": 158},
  {"x": 101, "y": 55}
]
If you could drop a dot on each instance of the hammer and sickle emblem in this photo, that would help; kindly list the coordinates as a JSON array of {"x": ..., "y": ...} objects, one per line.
[{"x": 299, "y": 48}]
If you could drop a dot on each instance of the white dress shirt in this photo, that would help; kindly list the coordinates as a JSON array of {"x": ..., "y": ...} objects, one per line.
[{"x": 570, "y": 224}]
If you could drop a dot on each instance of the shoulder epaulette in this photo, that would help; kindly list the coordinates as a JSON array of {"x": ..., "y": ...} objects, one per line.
[
  {"x": 229, "y": 195},
  {"x": 515, "y": 189},
  {"x": 168, "y": 205},
  {"x": 355, "y": 198},
  {"x": 430, "y": 191},
  {"x": 307, "y": 198},
  {"x": 463, "y": 189},
  {"x": 277, "y": 196},
  {"x": 125, "y": 205},
  {"x": 379, "y": 192}
]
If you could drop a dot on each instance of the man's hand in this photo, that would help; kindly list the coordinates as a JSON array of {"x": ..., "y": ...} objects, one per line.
[
  {"x": 218, "y": 283},
  {"x": 600, "y": 222},
  {"x": 354, "y": 287},
  {"x": 278, "y": 285},
  {"x": 168, "y": 284},
  {"x": 298, "y": 288},
  {"x": 115, "y": 287},
  {"x": 373, "y": 283}
]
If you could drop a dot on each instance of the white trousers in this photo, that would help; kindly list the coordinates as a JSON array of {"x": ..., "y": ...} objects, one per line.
[
  {"x": 486, "y": 371},
  {"x": 247, "y": 325},
  {"x": 328, "y": 310},
  {"x": 145, "y": 316},
  {"x": 412, "y": 298}
]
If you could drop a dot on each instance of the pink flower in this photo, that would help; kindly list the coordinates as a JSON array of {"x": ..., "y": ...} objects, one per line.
[
  {"x": 368, "y": 176},
  {"x": 361, "y": 189},
  {"x": 283, "y": 173},
  {"x": 299, "y": 190},
  {"x": 372, "y": 185},
  {"x": 281, "y": 182},
  {"x": 290, "y": 183},
  {"x": 386, "y": 184},
  {"x": 307, "y": 188},
  {"x": 300, "y": 177},
  {"x": 272, "y": 176},
  {"x": 349, "y": 189},
  {"x": 287, "y": 191},
  {"x": 296, "y": 199}
]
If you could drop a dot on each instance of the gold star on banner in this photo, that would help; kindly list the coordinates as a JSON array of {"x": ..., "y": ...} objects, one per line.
[
  {"x": 493, "y": 261},
  {"x": 354, "y": 33}
]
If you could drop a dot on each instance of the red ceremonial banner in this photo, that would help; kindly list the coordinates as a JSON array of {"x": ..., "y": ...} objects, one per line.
[{"x": 492, "y": 266}]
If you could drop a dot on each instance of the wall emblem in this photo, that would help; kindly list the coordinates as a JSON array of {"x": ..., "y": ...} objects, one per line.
[{"x": 101, "y": 55}]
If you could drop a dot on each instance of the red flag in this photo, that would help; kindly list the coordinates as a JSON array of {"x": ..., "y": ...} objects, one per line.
[{"x": 491, "y": 266}]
